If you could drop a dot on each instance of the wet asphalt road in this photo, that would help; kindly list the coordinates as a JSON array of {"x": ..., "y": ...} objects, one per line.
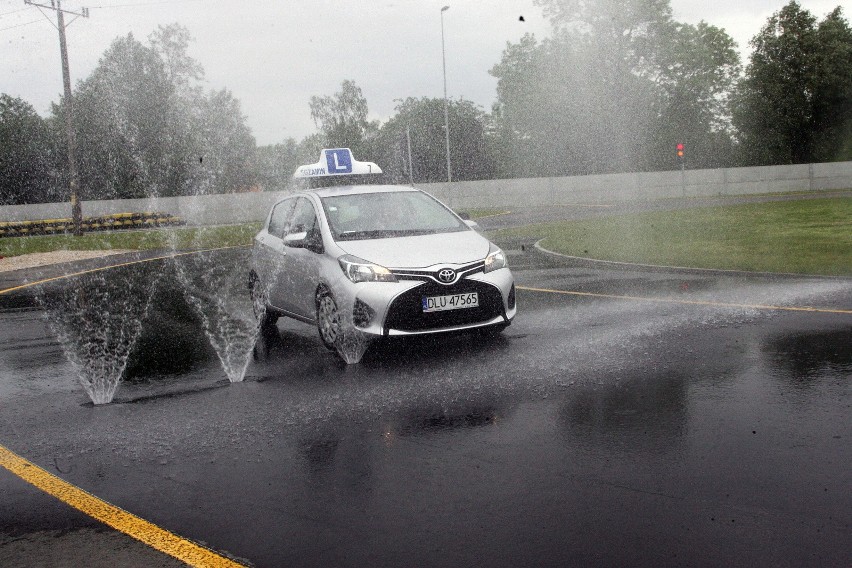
[{"x": 595, "y": 431}]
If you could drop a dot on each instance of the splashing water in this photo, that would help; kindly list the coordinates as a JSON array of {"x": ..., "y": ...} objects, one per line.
[
  {"x": 98, "y": 321},
  {"x": 214, "y": 284},
  {"x": 352, "y": 343}
]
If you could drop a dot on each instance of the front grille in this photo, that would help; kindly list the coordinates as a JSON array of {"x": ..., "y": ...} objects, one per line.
[
  {"x": 432, "y": 275},
  {"x": 406, "y": 311}
]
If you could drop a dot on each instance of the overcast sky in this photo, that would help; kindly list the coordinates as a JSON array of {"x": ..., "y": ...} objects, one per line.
[{"x": 274, "y": 55}]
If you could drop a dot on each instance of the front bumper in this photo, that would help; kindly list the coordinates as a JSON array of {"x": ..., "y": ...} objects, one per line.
[{"x": 395, "y": 309}]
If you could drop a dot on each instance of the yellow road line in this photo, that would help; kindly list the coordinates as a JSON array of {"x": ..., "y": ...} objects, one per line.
[
  {"x": 174, "y": 255},
  {"x": 688, "y": 302},
  {"x": 131, "y": 525},
  {"x": 119, "y": 519}
]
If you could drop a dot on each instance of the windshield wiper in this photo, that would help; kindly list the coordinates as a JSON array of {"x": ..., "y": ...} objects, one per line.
[
  {"x": 355, "y": 235},
  {"x": 388, "y": 233}
]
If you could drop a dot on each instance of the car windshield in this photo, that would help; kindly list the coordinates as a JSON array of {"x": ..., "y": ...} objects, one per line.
[{"x": 388, "y": 214}]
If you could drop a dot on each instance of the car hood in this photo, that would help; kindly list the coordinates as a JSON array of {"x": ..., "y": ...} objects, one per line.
[{"x": 420, "y": 251}]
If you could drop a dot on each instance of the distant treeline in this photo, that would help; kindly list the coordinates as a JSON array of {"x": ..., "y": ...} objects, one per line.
[{"x": 616, "y": 86}]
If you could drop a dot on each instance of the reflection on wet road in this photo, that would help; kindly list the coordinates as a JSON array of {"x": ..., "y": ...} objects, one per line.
[{"x": 594, "y": 431}]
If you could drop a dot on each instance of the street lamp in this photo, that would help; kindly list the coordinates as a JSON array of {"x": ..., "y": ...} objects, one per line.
[{"x": 446, "y": 104}]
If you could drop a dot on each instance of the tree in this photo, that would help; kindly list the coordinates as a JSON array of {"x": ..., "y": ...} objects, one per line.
[
  {"x": 342, "y": 119},
  {"x": 832, "y": 102},
  {"x": 171, "y": 44},
  {"x": 793, "y": 106},
  {"x": 583, "y": 101},
  {"x": 614, "y": 89},
  {"x": 276, "y": 164},
  {"x": 625, "y": 32},
  {"x": 27, "y": 174},
  {"x": 227, "y": 143},
  {"x": 694, "y": 77},
  {"x": 564, "y": 111},
  {"x": 423, "y": 119},
  {"x": 121, "y": 113},
  {"x": 145, "y": 126},
  {"x": 184, "y": 171}
]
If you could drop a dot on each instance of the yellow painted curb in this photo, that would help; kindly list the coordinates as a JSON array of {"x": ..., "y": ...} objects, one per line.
[{"x": 117, "y": 518}]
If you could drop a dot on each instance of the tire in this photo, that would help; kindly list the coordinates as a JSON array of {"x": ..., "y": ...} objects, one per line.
[
  {"x": 328, "y": 319},
  {"x": 260, "y": 304}
]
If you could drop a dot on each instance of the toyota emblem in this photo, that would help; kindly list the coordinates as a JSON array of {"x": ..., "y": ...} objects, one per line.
[{"x": 447, "y": 275}]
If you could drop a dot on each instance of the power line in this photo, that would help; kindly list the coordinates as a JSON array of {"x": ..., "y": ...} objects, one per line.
[
  {"x": 12, "y": 12},
  {"x": 154, "y": 3},
  {"x": 20, "y": 25}
]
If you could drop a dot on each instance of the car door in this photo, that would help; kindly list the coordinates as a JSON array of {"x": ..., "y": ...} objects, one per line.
[
  {"x": 269, "y": 250},
  {"x": 302, "y": 262}
]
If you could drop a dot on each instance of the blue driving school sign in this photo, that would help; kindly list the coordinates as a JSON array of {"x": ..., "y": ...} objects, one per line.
[{"x": 338, "y": 161}]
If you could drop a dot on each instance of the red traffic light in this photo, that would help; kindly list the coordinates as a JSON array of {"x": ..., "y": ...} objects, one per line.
[{"x": 680, "y": 150}]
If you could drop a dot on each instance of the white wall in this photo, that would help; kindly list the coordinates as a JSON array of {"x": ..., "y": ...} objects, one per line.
[
  {"x": 538, "y": 192},
  {"x": 533, "y": 192}
]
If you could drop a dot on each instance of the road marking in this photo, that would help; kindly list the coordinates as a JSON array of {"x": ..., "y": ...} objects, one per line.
[
  {"x": 688, "y": 302},
  {"x": 102, "y": 268},
  {"x": 119, "y": 519}
]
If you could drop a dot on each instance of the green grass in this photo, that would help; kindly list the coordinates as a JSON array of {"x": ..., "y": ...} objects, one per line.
[
  {"x": 812, "y": 236},
  {"x": 177, "y": 238},
  {"x": 806, "y": 237}
]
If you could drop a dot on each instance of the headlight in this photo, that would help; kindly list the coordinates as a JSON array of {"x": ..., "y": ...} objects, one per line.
[
  {"x": 359, "y": 270},
  {"x": 495, "y": 260}
]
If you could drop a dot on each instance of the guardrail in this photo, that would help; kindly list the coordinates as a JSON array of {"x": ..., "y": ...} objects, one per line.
[{"x": 112, "y": 222}]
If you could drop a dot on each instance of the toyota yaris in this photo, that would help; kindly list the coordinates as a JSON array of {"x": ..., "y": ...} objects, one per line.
[{"x": 380, "y": 261}]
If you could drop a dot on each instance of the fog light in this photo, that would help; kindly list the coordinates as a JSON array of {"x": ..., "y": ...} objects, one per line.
[
  {"x": 511, "y": 300},
  {"x": 362, "y": 314}
]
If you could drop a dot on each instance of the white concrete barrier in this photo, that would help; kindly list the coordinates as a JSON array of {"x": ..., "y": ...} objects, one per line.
[
  {"x": 531, "y": 192},
  {"x": 609, "y": 188}
]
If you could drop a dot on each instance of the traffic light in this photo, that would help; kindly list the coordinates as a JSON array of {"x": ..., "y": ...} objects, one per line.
[{"x": 680, "y": 150}]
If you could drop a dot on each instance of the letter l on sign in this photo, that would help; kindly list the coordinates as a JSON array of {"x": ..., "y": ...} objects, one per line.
[{"x": 339, "y": 161}]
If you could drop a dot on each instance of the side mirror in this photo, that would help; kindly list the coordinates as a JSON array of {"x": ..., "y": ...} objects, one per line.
[
  {"x": 465, "y": 216},
  {"x": 295, "y": 240},
  {"x": 305, "y": 240},
  {"x": 472, "y": 224}
]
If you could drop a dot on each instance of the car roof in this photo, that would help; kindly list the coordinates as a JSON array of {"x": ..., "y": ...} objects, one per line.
[{"x": 356, "y": 189}]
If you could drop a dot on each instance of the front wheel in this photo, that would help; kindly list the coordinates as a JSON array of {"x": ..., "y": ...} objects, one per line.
[{"x": 328, "y": 319}]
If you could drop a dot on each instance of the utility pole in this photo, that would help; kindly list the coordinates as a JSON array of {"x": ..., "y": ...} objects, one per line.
[
  {"x": 446, "y": 103},
  {"x": 410, "y": 164},
  {"x": 76, "y": 208}
]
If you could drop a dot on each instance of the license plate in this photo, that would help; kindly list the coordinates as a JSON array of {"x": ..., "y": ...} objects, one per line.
[{"x": 451, "y": 302}]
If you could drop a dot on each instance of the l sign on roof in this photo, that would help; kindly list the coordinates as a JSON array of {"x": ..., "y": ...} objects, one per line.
[
  {"x": 336, "y": 162},
  {"x": 339, "y": 161}
]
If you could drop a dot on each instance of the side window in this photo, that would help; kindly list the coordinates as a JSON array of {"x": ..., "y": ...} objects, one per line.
[
  {"x": 304, "y": 217},
  {"x": 280, "y": 216}
]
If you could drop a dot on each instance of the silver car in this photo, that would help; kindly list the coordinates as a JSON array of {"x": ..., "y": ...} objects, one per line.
[{"x": 379, "y": 261}]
